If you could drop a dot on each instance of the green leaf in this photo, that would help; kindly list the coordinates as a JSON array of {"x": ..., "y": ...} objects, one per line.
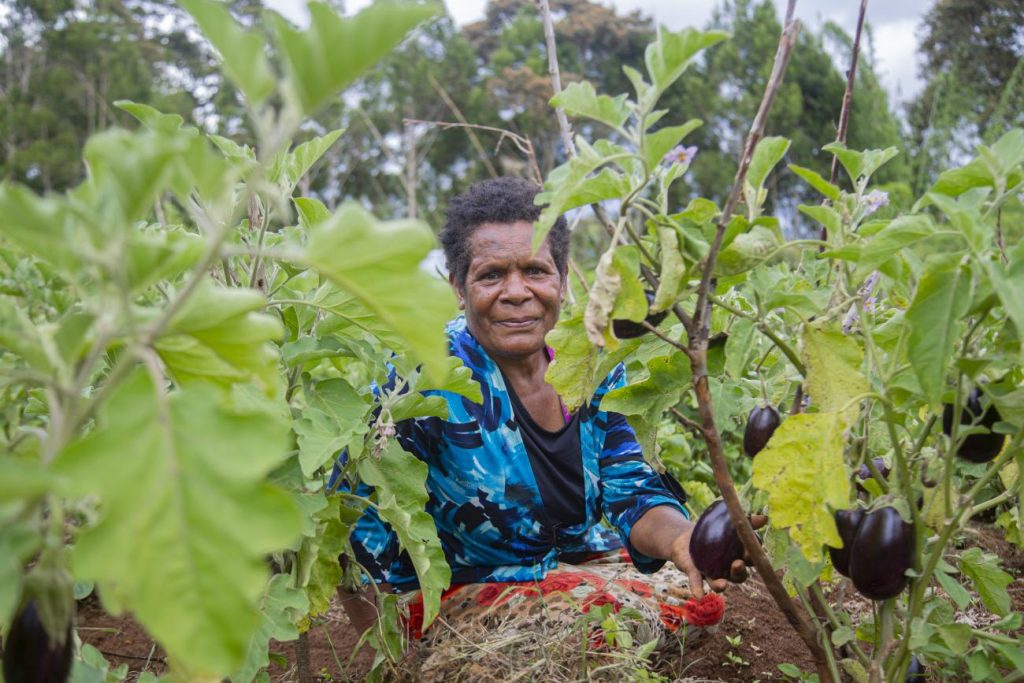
[
  {"x": 747, "y": 251},
  {"x": 828, "y": 217},
  {"x": 767, "y": 154},
  {"x": 570, "y": 186},
  {"x": 833, "y": 363},
  {"x": 220, "y": 335},
  {"x": 659, "y": 143},
  {"x": 151, "y": 118},
  {"x": 630, "y": 301},
  {"x": 953, "y": 588},
  {"x": 160, "y": 254},
  {"x": 989, "y": 580},
  {"x": 816, "y": 181},
  {"x": 243, "y": 52},
  {"x": 666, "y": 381},
  {"x": 899, "y": 234},
  {"x": 185, "y": 512},
  {"x": 805, "y": 476},
  {"x": 311, "y": 211},
  {"x": 942, "y": 297},
  {"x": 860, "y": 164},
  {"x": 23, "y": 480},
  {"x": 671, "y": 53},
  {"x": 580, "y": 99},
  {"x": 38, "y": 226},
  {"x": 334, "y": 51},
  {"x": 1013, "y": 654},
  {"x": 1008, "y": 284},
  {"x": 957, "y": 637},
  {"x": 282, "y": 603},
  {"x": 673, "y": 268},
  {"x": 335, "y": 418},
  {"x": 398, "y": 478},
  {"x": 458, "y": 380},
  {"x": 320, "y": 572},
  {"x": 579, "y": 367},
  {"x": 378, "y": 264},
  {"x": 289, "y": 167},
  {"x": 19, "y": 541}
]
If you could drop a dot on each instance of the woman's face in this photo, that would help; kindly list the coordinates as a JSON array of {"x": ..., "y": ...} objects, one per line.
[{"x": 511, "y": 296}]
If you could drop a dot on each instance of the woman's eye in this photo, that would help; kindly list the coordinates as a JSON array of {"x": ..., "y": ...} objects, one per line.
[{"x": 493, "y": 275}]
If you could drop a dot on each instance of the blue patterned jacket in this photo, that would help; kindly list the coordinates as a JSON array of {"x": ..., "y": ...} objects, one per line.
[{"x": 483, "y": 495}]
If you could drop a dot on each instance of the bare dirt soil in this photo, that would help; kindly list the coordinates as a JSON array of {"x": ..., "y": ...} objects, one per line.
[{"x": 750, "y": 643}]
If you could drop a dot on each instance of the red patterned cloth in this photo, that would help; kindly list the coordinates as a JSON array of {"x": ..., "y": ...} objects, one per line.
[{"x": 569, "y": 592}]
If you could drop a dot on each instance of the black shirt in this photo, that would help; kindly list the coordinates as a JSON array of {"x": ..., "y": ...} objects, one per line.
[{"x": 557, "y": 462}]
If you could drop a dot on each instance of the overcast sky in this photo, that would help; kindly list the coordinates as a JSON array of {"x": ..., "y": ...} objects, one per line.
[{"x": 895, "y": 24}]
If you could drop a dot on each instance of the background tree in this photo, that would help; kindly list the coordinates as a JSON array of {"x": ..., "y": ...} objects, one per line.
[
  {"x": 64, "y": 63},
  {"x": 973, "y": 64}
]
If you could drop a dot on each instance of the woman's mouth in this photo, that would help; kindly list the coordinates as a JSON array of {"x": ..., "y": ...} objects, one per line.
[{"x": 518, "y": 323}]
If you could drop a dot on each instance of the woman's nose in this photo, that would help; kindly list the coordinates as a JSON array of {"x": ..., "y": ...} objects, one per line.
[{"x": 516, "y": 289}]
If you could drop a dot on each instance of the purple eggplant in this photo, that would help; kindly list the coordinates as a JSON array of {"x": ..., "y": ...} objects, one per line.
[
  {"x": 881, "y": 553},
  {"x": 976, "y": 447},
  {"x": 761, "y": 424},
  {"x": 847, "y": 521},
  {"x": 916, "y": 671},
  {"x": 628, "y": 329},
  {"x": 31, "y": 655},
  {"x": 864, "y": 472},
  {"x": 714, "y": 543}
]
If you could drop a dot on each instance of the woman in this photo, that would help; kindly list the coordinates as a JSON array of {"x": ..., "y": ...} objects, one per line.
[{"x": 518, "y": 485}]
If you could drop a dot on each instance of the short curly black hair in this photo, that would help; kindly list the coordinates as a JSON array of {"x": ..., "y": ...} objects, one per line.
[{"x": 501, "y": 200}]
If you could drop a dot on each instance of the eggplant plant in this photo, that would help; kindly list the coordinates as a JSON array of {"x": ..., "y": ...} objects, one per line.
[
  {"x": 185, "y": 347},
  {"x": 872, "y": 335}
]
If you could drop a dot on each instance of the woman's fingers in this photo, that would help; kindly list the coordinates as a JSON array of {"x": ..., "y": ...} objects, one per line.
[
  {"x": 719, "y": 585},
  {"x": 738, "y": 571},
  {"x": 696, "y": 582},
  {"x": 758, "y": 521}
]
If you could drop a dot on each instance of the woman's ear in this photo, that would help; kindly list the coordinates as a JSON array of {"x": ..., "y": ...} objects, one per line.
[{"x": 458, "y": 292}]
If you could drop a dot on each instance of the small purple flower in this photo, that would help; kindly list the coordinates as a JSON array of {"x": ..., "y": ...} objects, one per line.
[
  {"x": 680, "y": 155},
  {"x": 875, "y": 200}
]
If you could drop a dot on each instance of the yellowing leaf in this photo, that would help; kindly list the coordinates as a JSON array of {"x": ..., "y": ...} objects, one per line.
[
  {"x": 805, "y": 476},
  {"x": 833, "y": 363}
]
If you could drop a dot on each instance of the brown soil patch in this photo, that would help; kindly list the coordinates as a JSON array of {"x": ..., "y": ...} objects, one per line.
[
  {"x": 765, "y": 640},
  {"x": 750, "y": 643}
]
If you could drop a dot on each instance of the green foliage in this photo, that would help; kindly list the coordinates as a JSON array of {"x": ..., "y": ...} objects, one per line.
[
  {"x": 398, "y": 477},
  {"x": 181, "y": 481},
  {"x": 378, "y": 264},
  {"x": 333, "y": 51},
  {"x": 243, "y": 52}
]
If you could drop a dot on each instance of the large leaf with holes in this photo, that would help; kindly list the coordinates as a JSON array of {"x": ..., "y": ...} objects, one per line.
[{"x": 185, "y": 512}]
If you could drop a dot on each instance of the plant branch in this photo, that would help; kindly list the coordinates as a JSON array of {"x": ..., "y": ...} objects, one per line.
[
  {"x": 556, "y": 78},
  {"x": 764, "y": 329},
  {"x": 782, "y": 54},
  {"x": 687, "y": 422},
  {"x": 457, "y": 113},
  {"x": 698, "y": 345},
  {"x": 844, "y": 113}
]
